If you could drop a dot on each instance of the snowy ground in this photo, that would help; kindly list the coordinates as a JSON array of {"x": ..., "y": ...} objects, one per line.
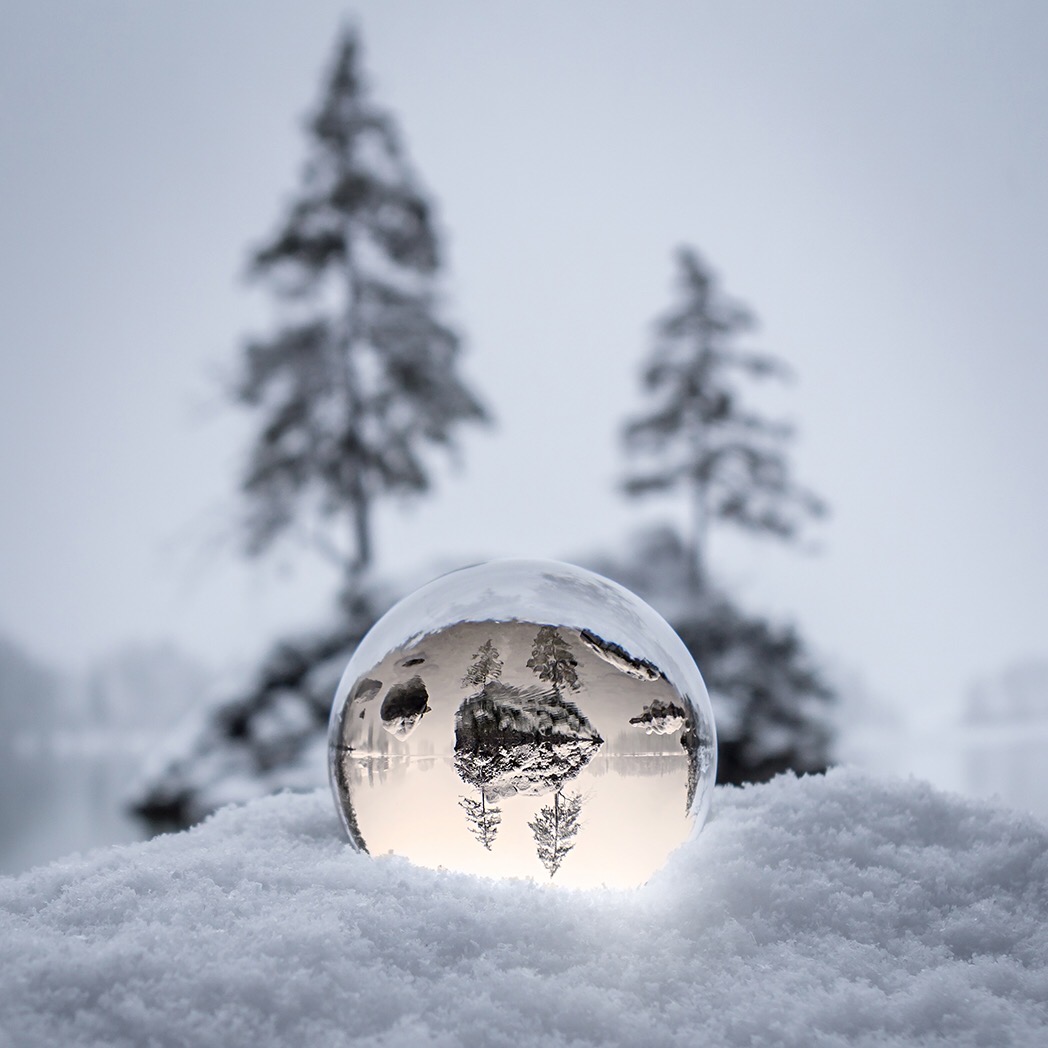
[{"x": 823, "y": 911}]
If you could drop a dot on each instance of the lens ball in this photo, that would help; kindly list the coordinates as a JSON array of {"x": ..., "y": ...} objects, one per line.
[{"x": 523, "y": 718}]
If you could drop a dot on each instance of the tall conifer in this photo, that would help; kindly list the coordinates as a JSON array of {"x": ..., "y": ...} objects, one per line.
[
  {"x": 698, "y": 434},
  {"x": 357, "y": 381},
  {"x": 360, "y": 377}
]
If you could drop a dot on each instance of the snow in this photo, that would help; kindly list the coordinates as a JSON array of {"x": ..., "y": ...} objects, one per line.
[{"x": 836, "y": 910}]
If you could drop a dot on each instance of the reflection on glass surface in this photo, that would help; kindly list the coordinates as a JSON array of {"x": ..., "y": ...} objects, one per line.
[{"x": 525, "y": 748}]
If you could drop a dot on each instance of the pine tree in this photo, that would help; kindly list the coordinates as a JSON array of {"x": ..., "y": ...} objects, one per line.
[
  {"x": 350, "y": 391},
  {"x": 486, "y": 666},
  {"x": 552, "y": 660},
  {"x": 699, "y": 435},
  {"x": 555, "y": 829},
  {"x": 483, "y": 818},
  {"x": 360, "y": 378}
]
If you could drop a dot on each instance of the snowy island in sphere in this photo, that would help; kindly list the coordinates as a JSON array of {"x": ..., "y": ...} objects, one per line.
[{"x": 523, "y": 718}]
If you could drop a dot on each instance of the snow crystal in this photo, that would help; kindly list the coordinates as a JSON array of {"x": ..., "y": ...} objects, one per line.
[{"x": 836, "y": 910}]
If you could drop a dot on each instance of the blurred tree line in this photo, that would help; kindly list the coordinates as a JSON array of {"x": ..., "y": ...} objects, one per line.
[{"x": 356, "y": 383}]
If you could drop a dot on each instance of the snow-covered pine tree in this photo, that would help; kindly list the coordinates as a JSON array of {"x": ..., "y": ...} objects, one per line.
[
  {"x": 552, "y": 660},
  {"x": 356, "y": 383},
  {"x": 360, "y": 377},
  {"x": 555, "y": 828},
  {"x": 699, "y": 435}
]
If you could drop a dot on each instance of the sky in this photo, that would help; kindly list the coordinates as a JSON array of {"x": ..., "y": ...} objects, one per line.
[{"x": 869, "y": 177}]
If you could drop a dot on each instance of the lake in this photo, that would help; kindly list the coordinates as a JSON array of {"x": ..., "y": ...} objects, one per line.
[{"x": 65, "y": 792}]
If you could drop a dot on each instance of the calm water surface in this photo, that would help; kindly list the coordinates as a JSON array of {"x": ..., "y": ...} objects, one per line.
[{"x": 65, "y": 793}]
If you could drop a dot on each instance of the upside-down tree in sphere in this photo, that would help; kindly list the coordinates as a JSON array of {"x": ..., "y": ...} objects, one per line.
[
  {"x": 555, "y": 828},
  {"x": 699, "y": 438},
  {"x": 355, "y": 384},
  {"x": 482, "y": 816}
]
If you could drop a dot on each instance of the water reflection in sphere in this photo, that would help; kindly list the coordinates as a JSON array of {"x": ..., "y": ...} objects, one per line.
[{"x": 523, "y": 719}]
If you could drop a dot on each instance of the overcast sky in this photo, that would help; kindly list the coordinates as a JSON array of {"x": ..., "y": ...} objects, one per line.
[{"x": 869, "y": 177}]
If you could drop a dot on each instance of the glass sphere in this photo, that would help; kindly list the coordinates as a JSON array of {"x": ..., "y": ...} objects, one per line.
[{"x": 523, "y": 718}]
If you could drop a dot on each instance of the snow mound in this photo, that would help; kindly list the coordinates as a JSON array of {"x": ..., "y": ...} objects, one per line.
[{"x": 838, "y": 910}]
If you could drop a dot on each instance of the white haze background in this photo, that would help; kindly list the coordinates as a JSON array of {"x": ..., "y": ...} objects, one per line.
[{"x": 869, "y": 177}]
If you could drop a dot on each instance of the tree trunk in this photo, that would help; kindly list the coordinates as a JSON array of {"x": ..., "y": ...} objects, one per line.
[
  {"x": 556, "y": 831},
  {"x": 697, "y": 483},
  {"x": 696, "y": 545},
  {"x": 360, "y": 507},
  {"x": 361, "y": 524}
]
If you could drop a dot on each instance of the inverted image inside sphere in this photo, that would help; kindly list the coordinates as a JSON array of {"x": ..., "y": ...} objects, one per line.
[{"x": 523, "y": 748}]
